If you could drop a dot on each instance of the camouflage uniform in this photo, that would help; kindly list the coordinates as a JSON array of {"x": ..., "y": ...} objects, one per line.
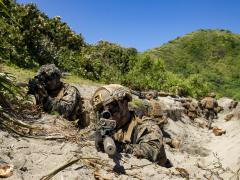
[
  {"x": 143, "y": 138},
  {"x": 209, "y": 106},
  {"x": 64, "y": 99},
  {"x": 140, "y": 137}
]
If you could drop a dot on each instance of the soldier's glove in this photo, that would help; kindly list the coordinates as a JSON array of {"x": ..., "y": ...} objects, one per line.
[
  {"x": 135, "y": 150},
  {"x": 42, "y": 92},
  {"x": 36, "y": 85},
  {"x": 32, "y": 86}
]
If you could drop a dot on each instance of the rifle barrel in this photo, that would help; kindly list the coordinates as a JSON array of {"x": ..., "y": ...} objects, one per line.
[{"x": 109, "y": 145}]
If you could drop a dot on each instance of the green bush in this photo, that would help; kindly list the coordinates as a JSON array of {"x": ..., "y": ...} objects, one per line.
[
  {"x": 202, "y": 61},
  {"x": 145, "y": 73},
  {"x": 212, "y": 54}
]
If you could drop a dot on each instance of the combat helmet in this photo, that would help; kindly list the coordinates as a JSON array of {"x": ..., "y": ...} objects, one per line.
[
  {"x": 49, "y": 70},
  {"x": 109, "y": 93}
]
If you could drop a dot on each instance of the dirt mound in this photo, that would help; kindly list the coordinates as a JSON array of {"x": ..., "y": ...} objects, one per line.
[{"x": 195, "y": 152}]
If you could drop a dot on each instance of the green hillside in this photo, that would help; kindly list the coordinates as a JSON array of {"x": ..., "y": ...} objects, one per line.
[
  {"x": 29, "y": 39},
  {"x": 195, "y": 64},
  {"x": 213, "y": 55}
]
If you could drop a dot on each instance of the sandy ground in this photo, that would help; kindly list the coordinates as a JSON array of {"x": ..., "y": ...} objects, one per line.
[{"x": 201, "y": 154}]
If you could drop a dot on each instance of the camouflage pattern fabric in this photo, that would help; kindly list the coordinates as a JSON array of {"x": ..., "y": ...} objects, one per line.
[
  {"x": 209, "y": 106},
  {"x": 143, "y": 138},
  {"x": 48, "y": 70},
  {"x": 209, "y": 114},
  {"x": 67, "y": 102},
  {"x": 60, "y": 97},
  {"x": 209, "y": 103}
]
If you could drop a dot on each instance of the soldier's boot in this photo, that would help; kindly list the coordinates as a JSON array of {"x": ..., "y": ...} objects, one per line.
[{"x": 209, "y": 123}]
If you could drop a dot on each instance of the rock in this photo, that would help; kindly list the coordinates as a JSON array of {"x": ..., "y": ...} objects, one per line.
[
  {"x": 228, "y": 117},
  {"x": 202, "y": 125},
  {"x": 183, "y": 172},
  {"x": 173, "y": 109},
  {"x": 218, "y": 131},
  {"x": 219, "y": 109},
  {"x": 24, "y": 169},
  {"x": 156, "y": 109},
  {"x": 175, "y": 143},
  {"x": 201, "y": 122},
  {"x": 227, "y": 104},
  {"x": 233, "y": 105},
  {"x": 163, "y": 94},
  {"x": 6, "y": 170}
]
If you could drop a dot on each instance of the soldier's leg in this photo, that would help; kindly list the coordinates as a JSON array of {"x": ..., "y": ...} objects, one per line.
[
  {"x": 206, "y": 114},
  {"x": 210, "y": 118}
]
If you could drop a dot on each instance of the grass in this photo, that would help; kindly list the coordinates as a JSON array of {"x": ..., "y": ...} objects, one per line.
[
  {"x": 23, "y": 75},
  {"x": 77, "y": 80},
  {"x": 138, "y": 103}
]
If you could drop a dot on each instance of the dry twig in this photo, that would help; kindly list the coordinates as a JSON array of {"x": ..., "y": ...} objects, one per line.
[
  {"x": 99, "y": 176},
  {"x": 217, "y": 169},
  {"x": 236, "y": 175},
  {"x": 17, "y": 122},
  {"x": 50, "y": 175},
  {"x": 34, "y": 137}
]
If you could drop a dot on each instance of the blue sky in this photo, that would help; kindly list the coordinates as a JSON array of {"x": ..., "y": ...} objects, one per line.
[{"x": 142, "y": 24}]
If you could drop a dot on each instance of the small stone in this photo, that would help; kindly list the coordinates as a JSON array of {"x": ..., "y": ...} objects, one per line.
[
  {"x": 218, "y": 131},
  {"x": 6, "y": 170},
  {"x": 175, "y": 143},
  {"x": 24, "y": 169},
  {"x": 228, "y": 117}
]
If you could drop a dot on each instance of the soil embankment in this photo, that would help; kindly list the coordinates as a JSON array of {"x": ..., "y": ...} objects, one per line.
[{"x": 200, "y": 153}]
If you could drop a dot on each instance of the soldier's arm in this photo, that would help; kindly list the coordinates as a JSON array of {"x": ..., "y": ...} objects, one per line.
[
  {"x": 150, "y": 143},
  {"x": 64, "y": 105},
  {"x": 36, "y": 87}
]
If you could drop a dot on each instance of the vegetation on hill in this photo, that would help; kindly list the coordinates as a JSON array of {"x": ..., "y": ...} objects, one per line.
[
  {"x": 212, "y": 55},
  {"x": 29, "y": 39}
]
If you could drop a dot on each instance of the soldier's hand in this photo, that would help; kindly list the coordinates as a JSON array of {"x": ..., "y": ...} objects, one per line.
[
  {"x": 32, "y": 86},
  {"x": 42, "y": 92},
  {"x": 36, "y": 86},
  {"x": 134, "y": 149}
]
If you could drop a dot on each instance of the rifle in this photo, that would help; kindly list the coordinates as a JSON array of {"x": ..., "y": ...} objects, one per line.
[
  {"x": 103, "y": 138},
  {"x": 138, "y": 93},
  {"x": 36, "y": 84}
]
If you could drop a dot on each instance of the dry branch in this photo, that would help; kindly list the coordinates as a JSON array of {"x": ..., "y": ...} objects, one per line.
[
  {"x": 217, "y": 169},
  {"x": 50, "y": 175},
  {"x": 17, "y": 122},
  {"x": 34, "y": 137}
]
